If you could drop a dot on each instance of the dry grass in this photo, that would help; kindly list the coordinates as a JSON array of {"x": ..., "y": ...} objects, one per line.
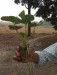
[{"x": 38, "y": 29}]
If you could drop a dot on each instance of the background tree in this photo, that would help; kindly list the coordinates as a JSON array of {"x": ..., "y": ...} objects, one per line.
[
  {"x": 28, "y": 4},
  {"x": 48, "y": 11}
]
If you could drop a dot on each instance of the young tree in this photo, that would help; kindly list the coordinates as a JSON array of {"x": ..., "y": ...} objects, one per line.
[
  {"x": 48, "y": 11},
  {"x": 28, "y": 4},
  {"x": 24, "y": 19}
]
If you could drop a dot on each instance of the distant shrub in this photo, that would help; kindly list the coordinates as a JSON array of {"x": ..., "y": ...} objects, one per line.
[{"x": 55, "y": 27}]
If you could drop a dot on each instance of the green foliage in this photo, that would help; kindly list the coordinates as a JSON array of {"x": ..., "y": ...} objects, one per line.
[
  {"x": 22, "y": 16},
  {"x": 48, "y": 11},
  {"x": 24, "y": 19},
  {"x": 13, "y": 19},
  {"x": 22, "y": 34},
  {"x": 55, "y": 27},
  {"x": 34, "y": 24},
  {"x": 28, "y": 4},
  {"x": 29, "y": 18},
  {"x": 14, "y": 27},
  {"x": 24, "y": 38},
  {"x": 32, "y": 3}
]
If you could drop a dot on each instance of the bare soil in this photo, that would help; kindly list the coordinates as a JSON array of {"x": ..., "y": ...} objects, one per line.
[{"x": 9, "y": 40}]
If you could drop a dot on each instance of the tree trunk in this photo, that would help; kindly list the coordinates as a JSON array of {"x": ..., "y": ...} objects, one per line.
[{"x": 29, "y": 12}]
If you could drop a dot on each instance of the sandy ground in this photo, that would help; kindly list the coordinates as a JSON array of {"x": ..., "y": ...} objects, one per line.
[{"x": 8, "y": 43}]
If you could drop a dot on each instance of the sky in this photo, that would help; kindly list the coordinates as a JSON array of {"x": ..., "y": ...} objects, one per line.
[{"x": 9, "y": 8}]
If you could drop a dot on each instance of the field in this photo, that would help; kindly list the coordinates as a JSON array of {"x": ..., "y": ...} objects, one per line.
[{"x": 9, "y": 40}]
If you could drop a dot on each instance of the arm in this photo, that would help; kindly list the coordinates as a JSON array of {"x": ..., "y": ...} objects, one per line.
[{"x": 34, "y": 57}]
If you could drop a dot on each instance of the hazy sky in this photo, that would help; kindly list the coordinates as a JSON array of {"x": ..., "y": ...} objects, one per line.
[{"x": 8, "y": 7}]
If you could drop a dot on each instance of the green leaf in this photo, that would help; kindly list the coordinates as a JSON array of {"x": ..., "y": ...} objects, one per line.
[
  {"x": 14, "y": 27},
  {"x": 34, "y": 24},
  {"x": 22, "y": 15},
  {"x": 29, "y": 18},
  {"x": 22, "y": 34},
  {"x": 26, "y": 18},
  {"x": 13, "y": 19}
]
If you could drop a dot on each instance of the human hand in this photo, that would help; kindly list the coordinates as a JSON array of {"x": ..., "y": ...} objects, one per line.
[
  {"x": 18, "y": 54},
  {"x": 34, "y": 57}
]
